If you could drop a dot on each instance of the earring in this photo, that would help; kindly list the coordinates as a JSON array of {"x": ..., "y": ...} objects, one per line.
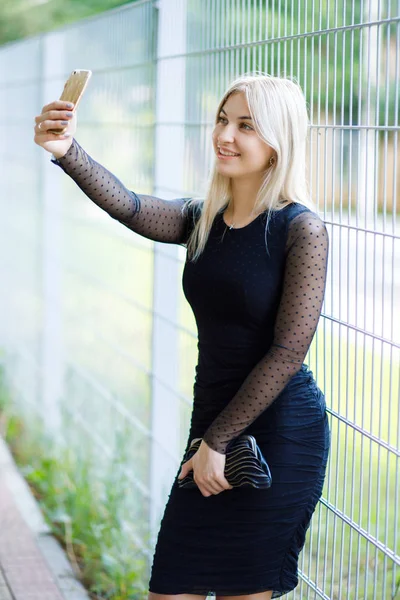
[{"x": 272, "y": 161}]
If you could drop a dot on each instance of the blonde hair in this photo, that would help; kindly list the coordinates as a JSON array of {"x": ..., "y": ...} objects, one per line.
[{"x": 285, "y": 181}]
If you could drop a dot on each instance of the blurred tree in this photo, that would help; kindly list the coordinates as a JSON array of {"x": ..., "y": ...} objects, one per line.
[
  {"x": 328, "y": 65},
  {"x": 24, "y": 18}
]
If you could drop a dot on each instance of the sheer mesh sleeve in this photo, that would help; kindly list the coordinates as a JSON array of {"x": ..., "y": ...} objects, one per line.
[
  {"x": 298, "y": 314},
  {"x": 153, "y": 218}
]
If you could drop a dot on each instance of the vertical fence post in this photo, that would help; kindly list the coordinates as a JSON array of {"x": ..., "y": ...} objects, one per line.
[
  {"x": 168, "y": 178},
  {"x": 370, "y": 117},
  {"x": 52, "y": 340}
]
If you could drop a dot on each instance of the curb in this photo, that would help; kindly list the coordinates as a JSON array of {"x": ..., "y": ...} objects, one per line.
[{"x": 53, "y": 554}]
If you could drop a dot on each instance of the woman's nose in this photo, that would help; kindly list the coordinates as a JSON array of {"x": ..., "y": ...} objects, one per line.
[{"x": 226, "y": 135}]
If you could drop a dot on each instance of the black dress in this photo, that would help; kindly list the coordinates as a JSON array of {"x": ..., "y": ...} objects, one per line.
[{"x": 256, "y": 309}]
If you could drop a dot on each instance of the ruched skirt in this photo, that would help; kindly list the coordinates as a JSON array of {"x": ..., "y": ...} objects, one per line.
[{"x": 246, "y": 540}]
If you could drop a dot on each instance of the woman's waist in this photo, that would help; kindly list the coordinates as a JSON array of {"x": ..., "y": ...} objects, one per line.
[
  {"x": 239, "y": 340},
  {"x": 222, "y": 362},
  {"x": 219, "y": 378},
  {"x": 299, "y": 396},
  {"x": 223, "y": 380}
]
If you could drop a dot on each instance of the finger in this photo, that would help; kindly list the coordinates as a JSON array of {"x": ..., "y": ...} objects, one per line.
[
  {"x": 226, "y": 484},
  {"x": 55, "y": 116},
  {"x": 221, "y": 485},
  {"x": 45, "y": 125},
  {"x": 40, "y": 138},
  {"x": 217, "y": 489},
  {"x": 202, "y": 487},
  {"x": 186, "y": 467},
  {"x": 41, "y": 129},
  {"x": 58, "y": 105},
  {"x": 48, "y": 135},
  {"x": 212, "y": 487}
]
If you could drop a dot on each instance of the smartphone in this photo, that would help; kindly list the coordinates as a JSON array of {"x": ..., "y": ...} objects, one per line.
[{"x": 73, "y": 91}]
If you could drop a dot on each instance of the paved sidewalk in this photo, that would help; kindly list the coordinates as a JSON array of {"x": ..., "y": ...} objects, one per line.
[{"x": 32, "y": 564}]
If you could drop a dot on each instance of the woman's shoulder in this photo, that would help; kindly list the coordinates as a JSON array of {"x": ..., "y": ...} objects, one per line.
[
  {"x": 304, "y": 223},
  {"x": 292, "y": 209},
  {"x": 296, "y": 219},
  {"x": 192, "y": 207}
]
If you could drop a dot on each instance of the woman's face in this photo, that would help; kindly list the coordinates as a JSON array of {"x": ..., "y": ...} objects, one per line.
[{"x": 236, "y": 134}]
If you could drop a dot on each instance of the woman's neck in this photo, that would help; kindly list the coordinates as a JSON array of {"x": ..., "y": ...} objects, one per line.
[{"x": 243, "y": 197}]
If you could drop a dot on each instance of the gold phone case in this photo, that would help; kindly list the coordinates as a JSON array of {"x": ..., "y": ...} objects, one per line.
[{"x": 73, "y": 90}]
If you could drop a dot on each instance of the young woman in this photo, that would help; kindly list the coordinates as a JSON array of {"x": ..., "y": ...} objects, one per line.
[{"x": 255, "y": 278}]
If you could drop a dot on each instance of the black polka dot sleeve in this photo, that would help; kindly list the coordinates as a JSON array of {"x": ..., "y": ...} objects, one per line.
[
  {"x": 297, "y": 318},
  {"x": 154, "y": 218}
]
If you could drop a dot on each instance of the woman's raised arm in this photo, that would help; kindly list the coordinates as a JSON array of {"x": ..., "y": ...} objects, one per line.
[{"x": 154, "y": 218}]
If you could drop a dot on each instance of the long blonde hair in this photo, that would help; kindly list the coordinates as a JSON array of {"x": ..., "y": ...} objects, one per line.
[{"x": 285, "y": 181}]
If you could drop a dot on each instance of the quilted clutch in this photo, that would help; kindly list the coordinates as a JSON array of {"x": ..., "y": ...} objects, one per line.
[{"x": 244, "y": 465}]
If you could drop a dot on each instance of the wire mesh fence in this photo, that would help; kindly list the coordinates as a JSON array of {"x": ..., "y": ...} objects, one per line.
[{"x": 96, "y": 335}]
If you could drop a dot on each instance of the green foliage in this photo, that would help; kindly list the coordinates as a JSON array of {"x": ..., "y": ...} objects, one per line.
[
  {"x": 85, "y": 515},
  {"x": 397, "y": 588},
  {"x": 330, "y": 66},
  {"x": 24, "y": 18}
]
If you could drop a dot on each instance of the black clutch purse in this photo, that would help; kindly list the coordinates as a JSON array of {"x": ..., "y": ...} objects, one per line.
[{"x": 244, "y": 465}]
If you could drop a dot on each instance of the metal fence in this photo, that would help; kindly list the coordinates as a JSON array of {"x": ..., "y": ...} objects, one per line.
[{"x": 95, "y": 333}]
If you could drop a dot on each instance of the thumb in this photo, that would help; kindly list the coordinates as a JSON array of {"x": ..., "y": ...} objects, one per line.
[{"x": 186, "y": 467}]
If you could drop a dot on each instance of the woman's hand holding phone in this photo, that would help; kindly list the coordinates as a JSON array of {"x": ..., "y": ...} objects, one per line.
[{"x": 56, "y": 115}]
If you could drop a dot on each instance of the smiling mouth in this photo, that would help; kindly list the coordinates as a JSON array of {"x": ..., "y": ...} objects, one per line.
[{"x": 222, "y": 155}]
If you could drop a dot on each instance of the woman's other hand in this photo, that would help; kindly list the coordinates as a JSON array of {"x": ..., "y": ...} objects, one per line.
[
  {"x": 56, "y": 115},
  {"x": 208, "y": 470}
]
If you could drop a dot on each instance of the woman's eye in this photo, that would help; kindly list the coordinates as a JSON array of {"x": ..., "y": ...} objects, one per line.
[{"x": 248, "y": 128}]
